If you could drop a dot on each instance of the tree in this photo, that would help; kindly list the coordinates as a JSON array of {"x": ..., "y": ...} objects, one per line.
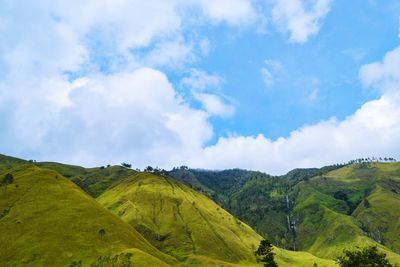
[
  {"x": 366, "y": 257},
  {"x": 149, "y": 169},
  {"x": 264, "y": 252},
  {"x": 102, "y": 233},
  {"x": 126, "y": 165},
  {"x": 367, "y": 204},
  {"x": 8, "y": 179}
]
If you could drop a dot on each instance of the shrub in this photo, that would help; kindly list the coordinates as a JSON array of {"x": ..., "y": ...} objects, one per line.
[{"x": 366, "y": 257}]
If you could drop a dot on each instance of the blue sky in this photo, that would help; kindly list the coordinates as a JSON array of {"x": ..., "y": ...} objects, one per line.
[{"x": 267, "y": 85}]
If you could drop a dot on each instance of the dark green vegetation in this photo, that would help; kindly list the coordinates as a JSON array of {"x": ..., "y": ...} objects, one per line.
[
  {"x": 54, "y": 214},
  {"x": 257, "y": 198},
  {"x": 366, "y": 257},
  {"x": 322, "y": 211},
  {"x": 265, "y": 254}
]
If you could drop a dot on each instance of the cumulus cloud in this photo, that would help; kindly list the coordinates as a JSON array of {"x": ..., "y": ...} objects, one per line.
[
  {"x": 235, "y": 12},
  {"x": 134, "y": 116},
  {"x": 81, "y": 87},
  {"x": 200, "y": 82},
  {"x": 214, "y": 105},
  {"x": 301, "y": 19},
  {"x": 384, "y": 75},
  {"x": 372, "y": 130}
]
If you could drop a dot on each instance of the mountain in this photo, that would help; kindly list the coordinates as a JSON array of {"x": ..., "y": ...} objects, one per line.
[
  {"x": 187, "y": 225},
  {"x": 54, "y": 214},
  {"x": 46, "y": 220},
  {"x": 254, "y": 197},
  {"x": 322, "y": 211},
  {"x": 349, "y": 206}
]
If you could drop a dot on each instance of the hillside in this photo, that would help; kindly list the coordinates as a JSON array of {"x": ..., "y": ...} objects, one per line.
[
  {"x": 93, "y": 180},
  {"x": 180, "y": 221},
  {"x": 321, "y": 211},
  {"x": 187, "y": 225},
  {"x": 160, "y": 221},
  {"x": 354, "y": 205},
  {"x": 46, "y": 220}
]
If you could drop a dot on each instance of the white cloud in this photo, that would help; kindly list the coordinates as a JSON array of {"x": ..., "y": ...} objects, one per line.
[
  {"x": 200, "y": 80},
  {"x": 385, "y": 75},
  {"x": 270, "y": 69},
  {"x": 135, "y": 116},
  {"x": 214, "y": 105},
  {"x": 234, "y": 12},
  {"x": 372, "y": 130},
  {"x": 300, "y": 18},
  {"x": 55, "y": 104},
  {"x": 267, "y": 77}
]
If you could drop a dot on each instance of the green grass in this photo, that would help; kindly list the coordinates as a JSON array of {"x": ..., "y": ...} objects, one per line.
[
  {"x": 286, "y": 258},
  {"x": 48, "y": 221},
  {"x": 332, "y": 215},
  {"x": 93, "y": 180},
  {"x": 180, "y": 221}
]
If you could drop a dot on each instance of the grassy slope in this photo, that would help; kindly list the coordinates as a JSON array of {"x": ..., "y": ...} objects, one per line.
[
  {"x": 327, "y": 222},
  {"x": 93, "y": 180},
  {"x": 327, "y": 207},
  {"x": 330, "y": 210},
  {"x": 180, "y": 221},
  {"x": 189, "y": 226},
  {"x": 46, "y": 220}
]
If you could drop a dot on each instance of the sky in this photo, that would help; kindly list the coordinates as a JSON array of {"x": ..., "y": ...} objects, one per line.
[{"x": 267, "y": 85}]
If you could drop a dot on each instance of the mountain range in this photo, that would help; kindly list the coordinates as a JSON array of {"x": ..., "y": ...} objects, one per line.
[{"x": 53, "y": 214}]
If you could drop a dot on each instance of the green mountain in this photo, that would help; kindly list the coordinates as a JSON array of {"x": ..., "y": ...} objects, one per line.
[
  {"x": 46, "y": 220},
  {"x": 54, "y": 214},
  {"x": 322, "y": 211},
  {"x": 186, "y": 224}
]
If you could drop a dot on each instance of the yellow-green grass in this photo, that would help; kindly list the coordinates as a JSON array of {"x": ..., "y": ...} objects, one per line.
[
  {"x": 326, "y": 222},
  {"x": 179, "y": 220},
  {"x": 381, "y": 217},
  {"x": 46, "y": 220},
  {"x": 93, "y": 180},
  {"x": 189, "y": 226},
  {"x": 286, "y": 258}
]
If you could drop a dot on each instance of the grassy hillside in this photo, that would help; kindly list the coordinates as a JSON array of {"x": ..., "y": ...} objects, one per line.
[
  {"x": 363, "y": 196},
  {"x": 180, "y": 221},
  {"x": 189, "y": 226},
  {"x": 46, "y": 220},
  {"x": 93, "y": 180},
  {"x": 322, "y": 211}
]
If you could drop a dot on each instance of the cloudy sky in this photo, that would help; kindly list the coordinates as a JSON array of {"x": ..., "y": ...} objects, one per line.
[{"x": 267, "y": 85}]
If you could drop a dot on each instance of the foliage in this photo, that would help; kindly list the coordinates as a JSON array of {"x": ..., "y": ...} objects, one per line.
[
  {"x": 121, "y": 260},
  {"x": 75, "y": 264},
  {"x": 366, "y": 257},
  {"x": 8, "y": 179},
  {"x": 264, "y": 251},
  {"x": 126, "y": 165}
]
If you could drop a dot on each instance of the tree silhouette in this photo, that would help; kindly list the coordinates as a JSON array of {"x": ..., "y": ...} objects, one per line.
[
  {"x": 366, "y": 257},
  {"x": 8, "y": 179},
  {"x": 126, "y": 165},
  {"x": 264, "y": 252},
  {"x": 102, "y": 233}
]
